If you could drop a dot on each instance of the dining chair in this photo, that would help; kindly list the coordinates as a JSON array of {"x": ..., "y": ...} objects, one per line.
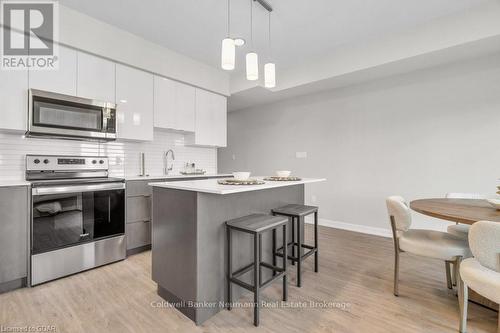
[
  {"x": 459, "y": 229},
  {"x": 482, "y": 272},
  {"x": 426, "y": 243}
]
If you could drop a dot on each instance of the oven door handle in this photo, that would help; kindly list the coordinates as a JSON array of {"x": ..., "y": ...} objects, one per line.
[{"x": 77, "y": 188}]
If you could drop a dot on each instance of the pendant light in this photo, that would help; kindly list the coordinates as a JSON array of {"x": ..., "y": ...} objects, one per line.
[
  {"x": 252, "y": 59},
  {"x": 270, "y": 75},
  {"x": 228, "y": 53},
  {"x": 270, "y": 67}
]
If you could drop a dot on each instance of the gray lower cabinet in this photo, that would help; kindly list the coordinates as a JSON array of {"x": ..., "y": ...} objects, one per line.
[
  {"x": 140, "y": 187},
  {"x": 138, "y": 215},
  {"x": 138, "y": 234},
  {"x": 139, "y": 208},
  {"x": 13, "y": 236},
  {"x": 138, "y": 212}
]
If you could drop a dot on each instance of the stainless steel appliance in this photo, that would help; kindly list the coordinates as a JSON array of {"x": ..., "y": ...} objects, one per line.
[
  {"x": 77, "y": 215},
  {"x": 63, "y": 116}
]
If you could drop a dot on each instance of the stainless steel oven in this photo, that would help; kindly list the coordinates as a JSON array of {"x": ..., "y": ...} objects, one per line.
[
  {"x": 69, "y": 215},
  {"x": 77, "y": 215},
  {"x": 56, "y": 115}
]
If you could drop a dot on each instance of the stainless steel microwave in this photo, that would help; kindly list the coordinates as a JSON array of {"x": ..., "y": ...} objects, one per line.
[{"x": 62, "y": 116}]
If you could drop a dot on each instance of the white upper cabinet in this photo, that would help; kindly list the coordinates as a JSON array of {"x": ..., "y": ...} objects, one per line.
[
  {"x": 96, "y": 78},
  {"x": 174, "y": 105},
  {"x": 185, "y": 108},
  {"x": 135, "y": 103},
  {"x": 220, "y": 120},
  {"x": 14, "y": 99},
  {"x": 61, "y": 80},
  {"x": 211, "y": 120}
]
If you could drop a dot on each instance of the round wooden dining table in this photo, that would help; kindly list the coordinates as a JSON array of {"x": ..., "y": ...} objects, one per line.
[{"x": 466, "y": 211}]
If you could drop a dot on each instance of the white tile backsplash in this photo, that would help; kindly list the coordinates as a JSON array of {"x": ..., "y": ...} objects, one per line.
[{"x": 124, "y": 155}]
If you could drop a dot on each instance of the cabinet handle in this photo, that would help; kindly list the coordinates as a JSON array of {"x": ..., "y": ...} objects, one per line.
[
  {"x": 146, "y": 195},
  {"x": 146, "y": 221}
]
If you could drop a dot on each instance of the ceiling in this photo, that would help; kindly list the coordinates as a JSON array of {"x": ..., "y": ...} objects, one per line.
[
  {"x": 303, "y": 30},
  {"x": 480, "y": 50}
]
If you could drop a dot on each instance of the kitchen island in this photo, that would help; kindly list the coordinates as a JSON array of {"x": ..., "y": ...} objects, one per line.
[{"x": 188, "y": 238}]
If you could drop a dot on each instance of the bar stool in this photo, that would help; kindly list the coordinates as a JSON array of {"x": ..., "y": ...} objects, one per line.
[
  {"x": 298, "y": 213},
  {"x": 256, "y": 225}
]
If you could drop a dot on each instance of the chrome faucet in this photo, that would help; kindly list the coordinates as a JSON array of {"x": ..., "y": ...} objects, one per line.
[{"x": 166, "y": 168}]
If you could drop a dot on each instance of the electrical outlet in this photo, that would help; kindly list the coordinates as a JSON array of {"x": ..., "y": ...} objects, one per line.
[
  {"x": 313, "y": 199},
  {"x": 301, "y": 154},
  {"x": 234, "y": 157}
]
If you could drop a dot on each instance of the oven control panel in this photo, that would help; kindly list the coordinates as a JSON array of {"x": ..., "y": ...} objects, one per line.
[
  {"x": 55, "y": 162},
  {"x": 71, "y": 161}
]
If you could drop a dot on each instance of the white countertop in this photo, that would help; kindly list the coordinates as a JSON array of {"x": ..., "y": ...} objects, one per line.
[
  {"x": 10, "y": 183},
  {"x": 22, "y": 182},
  {"x": 211, "y": 185},
  {"x": 153, "y": 177}
]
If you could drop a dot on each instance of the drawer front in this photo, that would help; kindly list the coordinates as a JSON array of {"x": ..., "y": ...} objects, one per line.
[
  {"x": 138, "y": 234},
  {"x": 139, "y": 187},
  {"x": 139, "y": 208}
]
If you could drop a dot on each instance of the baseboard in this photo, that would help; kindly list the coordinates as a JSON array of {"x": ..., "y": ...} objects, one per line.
[
  {"x": 352, "y": 227},
  {"x": 12, "y": 285},
  {"x": 138, "y": 250}
]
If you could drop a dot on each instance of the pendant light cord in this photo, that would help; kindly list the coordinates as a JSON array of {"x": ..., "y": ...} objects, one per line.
[
  {"x": 228, "y": 18},
  {"x": 251, "y": 22},
  {"x": 270, "y": 49}
]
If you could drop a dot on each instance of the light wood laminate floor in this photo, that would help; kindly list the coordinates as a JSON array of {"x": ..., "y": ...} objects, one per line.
[{"x": 355, "y": 270}]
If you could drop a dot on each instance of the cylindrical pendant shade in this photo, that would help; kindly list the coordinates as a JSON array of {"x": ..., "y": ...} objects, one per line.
[
  {"x": 252, "y": 66},
  {"x": 228, "y": 54},
  {"x": 269, "y": 75}
]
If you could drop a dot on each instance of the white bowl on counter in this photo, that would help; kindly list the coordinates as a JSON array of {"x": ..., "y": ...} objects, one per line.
[
  {"x": 241, "y": 175},
  {"x": 283, "y": 173}
]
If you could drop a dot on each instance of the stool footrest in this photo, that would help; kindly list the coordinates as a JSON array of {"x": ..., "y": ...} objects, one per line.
[
  {"x": 310, "y": 247},
  {"x": 271, "y": 280},
  {"x": 234, "y": 277},
  {"x": 271, "y": 267},
  {"x": 243, "y": 270},
  {"x": 242, "y": 284},
  {"x": 311, "y": 251}
]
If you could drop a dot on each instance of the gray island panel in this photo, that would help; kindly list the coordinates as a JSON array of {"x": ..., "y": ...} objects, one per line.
[
  {"x": 174, "y": 245},
  {"x": 189, "y": 243}
]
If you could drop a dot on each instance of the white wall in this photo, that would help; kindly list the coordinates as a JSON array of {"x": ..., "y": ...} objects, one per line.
[{"x": 418, "y": 135}]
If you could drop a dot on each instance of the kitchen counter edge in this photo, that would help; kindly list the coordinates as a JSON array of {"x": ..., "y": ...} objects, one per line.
[
  {"x": 14, "y": 183},
  {"x": 179, "y": 176},
  {"x": 211, "y": 186}
]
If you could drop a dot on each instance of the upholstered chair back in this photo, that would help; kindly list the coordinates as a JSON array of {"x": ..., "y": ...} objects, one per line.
[
  {"x": 484, "y": 242},
  {"x": 398, "y": 208}
]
